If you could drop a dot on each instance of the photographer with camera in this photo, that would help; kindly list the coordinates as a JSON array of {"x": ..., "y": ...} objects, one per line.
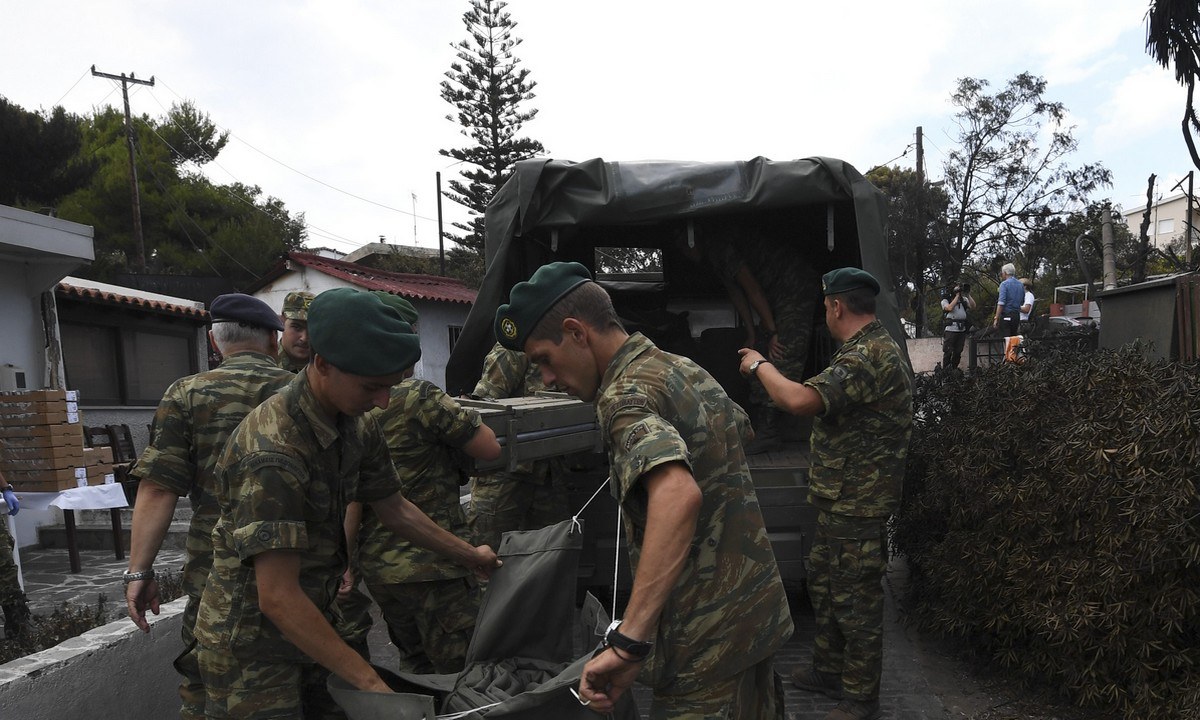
[{"x": 956, "y": 302}]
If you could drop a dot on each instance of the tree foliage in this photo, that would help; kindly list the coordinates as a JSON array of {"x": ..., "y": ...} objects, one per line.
[
  {"x": 79, "y": 167},
  {"x": 487, "y": 86},
  {"x": 1173, "y": 36},
  {"x": 1009, "y": 174},
  {"x": 917, "y": 237},
  {"x": 39, "y": 156}
]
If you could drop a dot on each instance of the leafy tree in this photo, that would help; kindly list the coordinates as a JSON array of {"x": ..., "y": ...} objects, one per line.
[
  {"x": 1001, "y": 181},
  {"x": 39, "y": 156},
  {"x": 487, "y": 86},
  {"x": 1173, "y": 35},
  {"x": 190, "y": 225},
  {"x": 191, "y": 134},
  {"x": 917, "y": 237}
]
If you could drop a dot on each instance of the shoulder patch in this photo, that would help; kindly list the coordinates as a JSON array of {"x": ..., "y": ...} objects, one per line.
[
  {"x": 636, "y": 433},
  {"x": 620, "y": 404}
]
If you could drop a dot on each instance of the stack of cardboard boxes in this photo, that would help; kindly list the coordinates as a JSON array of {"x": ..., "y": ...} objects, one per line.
[{"x": 41, "y": 443}]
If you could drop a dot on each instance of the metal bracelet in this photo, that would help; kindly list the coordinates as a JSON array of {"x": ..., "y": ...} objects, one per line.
[{"x": 129, "y": 577}]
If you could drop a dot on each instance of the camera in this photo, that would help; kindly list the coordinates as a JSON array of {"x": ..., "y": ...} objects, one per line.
[{"x": 966, "y": 288}]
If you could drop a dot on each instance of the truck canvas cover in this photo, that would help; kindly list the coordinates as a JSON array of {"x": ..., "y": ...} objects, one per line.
[{"x": 538, "y": 215}]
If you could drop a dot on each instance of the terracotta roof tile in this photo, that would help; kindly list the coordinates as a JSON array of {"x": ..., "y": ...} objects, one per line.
[
  {"x": 111, "y": 298},
  {"x": 410, "y": 285}
]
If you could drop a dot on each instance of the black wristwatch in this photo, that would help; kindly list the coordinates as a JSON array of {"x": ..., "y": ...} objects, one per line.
[
  {"x": 637, "y": 650},
  {"x": 754, "y": 366}
]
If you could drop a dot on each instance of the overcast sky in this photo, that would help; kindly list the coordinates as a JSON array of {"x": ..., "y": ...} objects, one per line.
[{"x": 334, "y": 106}]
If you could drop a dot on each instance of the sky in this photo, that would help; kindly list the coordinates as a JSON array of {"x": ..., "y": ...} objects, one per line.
[{"x": 334, "y": 107}]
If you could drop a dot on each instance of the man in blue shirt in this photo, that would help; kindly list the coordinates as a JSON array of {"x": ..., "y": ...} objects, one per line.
[{"x": 1008, "y": 304}]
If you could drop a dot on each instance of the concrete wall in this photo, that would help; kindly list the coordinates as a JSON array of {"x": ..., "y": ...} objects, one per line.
[
  {"x": 115, "y": 671},
  {"x": 925, "y": 353}
]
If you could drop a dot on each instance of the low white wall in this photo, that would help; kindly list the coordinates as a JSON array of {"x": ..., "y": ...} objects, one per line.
[{"x": 115, "y": 671}]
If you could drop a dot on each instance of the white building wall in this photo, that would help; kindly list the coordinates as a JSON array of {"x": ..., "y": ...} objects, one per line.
[{"x": 436, "y": 317}]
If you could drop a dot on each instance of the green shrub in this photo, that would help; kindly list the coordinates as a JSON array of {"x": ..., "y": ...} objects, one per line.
[
  {"x": 1051, "y": 521},
  {"x": 73, "y": 619}
]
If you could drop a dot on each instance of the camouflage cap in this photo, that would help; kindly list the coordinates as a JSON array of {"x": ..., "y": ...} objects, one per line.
[
  {"x": 847, "y": 279},
  {"x": 295, "y": 305},
  {"x": 361, "y": 335},
  {"x": 408, "y": 313},
  {"x": 529, "y": 301},
  {"x": 244, "y": 310}
]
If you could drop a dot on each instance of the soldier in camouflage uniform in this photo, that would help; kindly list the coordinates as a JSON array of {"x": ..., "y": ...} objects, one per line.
[
  {"x": 294, "y": 350},
  {"x": 12, "y": 600},
  {"x": 863, "y": 408},
  {"x": 429, "y": 603},
  {"x": 788, "y": 285},
  {"x": 533, "y": 495},
  {"x": 708, "y": 609},
  {"x": 266, "y": 643},
  {"x": 194, "y": 419}
]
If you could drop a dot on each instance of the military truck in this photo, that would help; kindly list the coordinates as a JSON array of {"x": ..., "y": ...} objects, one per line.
[{"x": 628, "y": 222}]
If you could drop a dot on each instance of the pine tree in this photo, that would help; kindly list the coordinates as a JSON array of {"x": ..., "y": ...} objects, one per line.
[{"x": 487, "y": 86}]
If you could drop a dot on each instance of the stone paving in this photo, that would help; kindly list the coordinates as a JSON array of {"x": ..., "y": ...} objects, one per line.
[{"x": 906, "y": 692}]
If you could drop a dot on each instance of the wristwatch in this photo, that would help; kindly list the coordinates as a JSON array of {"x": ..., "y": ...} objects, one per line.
[
  {"x": 636, "y": 649},
  {"x": 754, "y": 366}
]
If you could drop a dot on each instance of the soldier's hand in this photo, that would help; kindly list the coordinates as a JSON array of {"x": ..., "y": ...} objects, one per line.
[
  {"x": 484, "y": 561},
  {"x": 775, "y": 348},
  {"x": 140, "y": 595},
  {"x": 605, "y": 679},
  {"x": 749, "y": 355},
  {"x": 347, "y": 584}
]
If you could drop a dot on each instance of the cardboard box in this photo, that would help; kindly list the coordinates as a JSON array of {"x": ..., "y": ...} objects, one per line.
[
  {"x": 98, "y": 472},
  {"x": 15, "y": 407},
  {"x": 63, "y": 433},
  {"x": 47, "y": 480},
  {"x": 38, "y": 418},
  {"x": 51, "y": 458},
  {"x": 40, "y": 396},
  {"x": 95, "y": 456}
]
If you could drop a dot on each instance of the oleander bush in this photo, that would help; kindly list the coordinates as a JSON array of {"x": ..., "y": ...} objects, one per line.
[
  {"x": 69, "y": 620},
  {"x": 1050, "y": 520}
]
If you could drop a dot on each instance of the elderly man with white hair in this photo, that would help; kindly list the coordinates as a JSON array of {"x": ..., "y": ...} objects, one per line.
[{"x": 1008, "y": 304}]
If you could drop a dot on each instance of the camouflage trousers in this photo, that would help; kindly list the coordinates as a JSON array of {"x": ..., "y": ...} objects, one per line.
[
  {"x": 10, "y": 582},
  {"x": 249, "y": 689},
  {"x": 352, "y": 620},
  {"x": 846, "y": 566},
  {"x": 756, "y": 693},
  {"x": 430, "y": 622},
  {"x": 195, "y": 575},
  {"x": 507, "y": 501},
  {"x": 793, "y": 303}
]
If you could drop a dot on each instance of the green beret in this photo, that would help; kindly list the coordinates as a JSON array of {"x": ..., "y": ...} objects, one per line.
[
  {"x": 295, "y": 305},
  {"x": 847, "y": 279},
  {"x": 408, "y": 313},
  {"x": 529, "y": 301},
  {"x": 361, "y": 335}
]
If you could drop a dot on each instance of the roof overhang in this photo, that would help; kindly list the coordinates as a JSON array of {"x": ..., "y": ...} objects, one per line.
[{"x": 48, "y": 248}]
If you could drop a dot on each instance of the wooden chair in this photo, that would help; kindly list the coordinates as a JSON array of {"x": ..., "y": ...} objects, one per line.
[{"x": 120, "y": 439}]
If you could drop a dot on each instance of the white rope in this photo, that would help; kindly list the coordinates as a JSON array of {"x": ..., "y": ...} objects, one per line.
[
  {"x": 616, "y": 560},
  {"x": 464, "y": 713},
  {"x": 616, "y": 544}
]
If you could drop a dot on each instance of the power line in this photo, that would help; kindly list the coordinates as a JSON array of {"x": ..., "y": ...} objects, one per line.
[
  {"x": 306, "y": 175},
  {"x": 68, "y": 92},
  {"x": 320, "y": 232}
]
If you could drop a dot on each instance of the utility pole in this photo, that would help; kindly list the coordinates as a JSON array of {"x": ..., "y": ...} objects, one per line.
[
  {"x": 1187, "y": 242},
  {"x": 921, "y": 241},
  {"x": 133, "y": 179},
  {"x": 441, "y": 242}
]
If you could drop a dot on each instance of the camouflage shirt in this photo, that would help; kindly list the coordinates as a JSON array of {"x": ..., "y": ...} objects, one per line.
[
  {"x": 196, "y": 416},
  {"x": 283, "y": 482},
  {"x": 423, "y": 427},
  {"x": 510, "y": 374},
  {"x": 860, "y": 442},
  {"x": 728, "y": 609},
  {"x": 287, "y": 363}
]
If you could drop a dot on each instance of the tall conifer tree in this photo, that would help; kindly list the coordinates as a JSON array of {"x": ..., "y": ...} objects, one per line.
[{"x": 487, "y": 86}]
